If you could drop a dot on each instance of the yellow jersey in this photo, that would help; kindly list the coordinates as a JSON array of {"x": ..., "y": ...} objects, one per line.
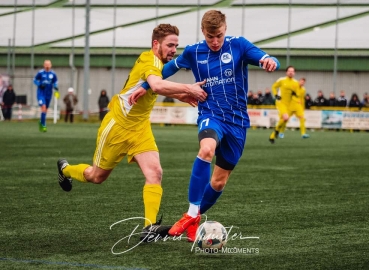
[
  {"x": 299, "y": 96},
  {"x": 285, "y": 86},
  {"x": 134, "y": 117}
]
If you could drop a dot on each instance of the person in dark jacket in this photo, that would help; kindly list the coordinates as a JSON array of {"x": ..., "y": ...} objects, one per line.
[
  {"x": 8, "y": 102},
  {"x": 332, "y": 101},
  {"x": 354, "y": 102},
  {"x": 320, "y": 100},
  {"x": 341, "y": 100},
  {"x": 268, "y": 98},
  {"x": 70, "y": 101},
  {"x": 365, "y": 102},
  {"x": 308, "y": 102},
  {"x": 103, "y": 104}
]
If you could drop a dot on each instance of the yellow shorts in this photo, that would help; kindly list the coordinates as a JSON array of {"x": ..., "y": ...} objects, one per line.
[
  {"x": 114, "y": 143},
  {"x": 281, "y": 107},
  {"x": 295, "y": 108}
]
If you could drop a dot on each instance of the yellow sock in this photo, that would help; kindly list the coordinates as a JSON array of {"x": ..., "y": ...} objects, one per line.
[
  {"x": 76, "y": 172},
  {"x": 152, "y": 197},
  {"x": 302, "y": 126}
]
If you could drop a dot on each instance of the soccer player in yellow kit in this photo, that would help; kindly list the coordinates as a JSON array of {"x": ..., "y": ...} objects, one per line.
[
  {"x": 297, "y": 106},
  {"x": 126, "y": 129},
  {"x": 286, "y": 87}
]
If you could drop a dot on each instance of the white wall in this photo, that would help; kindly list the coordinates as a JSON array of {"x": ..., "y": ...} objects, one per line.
[{"x": 101, "y": 78}]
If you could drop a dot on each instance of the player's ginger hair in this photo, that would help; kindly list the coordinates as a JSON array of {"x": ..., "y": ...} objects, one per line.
[
  {"x": 163, "y": 30},
  {"x": 212, "y": 20}
]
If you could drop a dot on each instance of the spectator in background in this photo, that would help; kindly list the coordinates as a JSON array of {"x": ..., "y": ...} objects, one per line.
[
  {"x": 255, "y": 100},
  {"x": 332, "y": 101},
  {"x": 320, "y": 100},
  {"x": 260, "y": 97},
  {"x": 308, "y": 102},
  {"x": 103, "y": 104},
  {"x": 168, "y": 100},
  {"x": 250, "y": 97},
  {"x": 354, "y": 102},
  {"x": 8, "y": 102},
  {"x": 342, "y": 101},
  {"x": 365, "y": 102},
  {"x": 268, "y": 98},
  {"x": 70, "y": 101}
]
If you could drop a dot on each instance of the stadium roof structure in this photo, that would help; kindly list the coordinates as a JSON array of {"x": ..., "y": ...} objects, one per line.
[{"x": 265, "y": 23}]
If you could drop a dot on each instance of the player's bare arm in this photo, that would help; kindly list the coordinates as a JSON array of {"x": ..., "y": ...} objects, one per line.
[
  {"x": 168, "y": 88},
  {"x": 268, "y": 64}
]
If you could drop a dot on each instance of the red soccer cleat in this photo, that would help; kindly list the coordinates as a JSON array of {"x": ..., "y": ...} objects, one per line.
[
  {"x": 191, "y": 231},
  {"x": 181, "y": 225}
]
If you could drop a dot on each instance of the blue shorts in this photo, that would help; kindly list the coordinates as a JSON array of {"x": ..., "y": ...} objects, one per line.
[
  {"x": 232, "y": 138},
  {"x": 43, "y": 98}
]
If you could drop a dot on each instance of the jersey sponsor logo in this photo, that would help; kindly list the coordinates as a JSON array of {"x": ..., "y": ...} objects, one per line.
[
  {"x": 204, "y": 62},
  {"x": 226, "y": 58},
  {"x": 214, "y": 81},
  {"x": 51, "y": 76},
  {"x": 228, "y": 72}
]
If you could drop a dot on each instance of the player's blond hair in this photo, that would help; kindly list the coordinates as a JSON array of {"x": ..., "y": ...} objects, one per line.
[
  {"x": 212, "y": 20},
  {"x": 163, "y": 30}
]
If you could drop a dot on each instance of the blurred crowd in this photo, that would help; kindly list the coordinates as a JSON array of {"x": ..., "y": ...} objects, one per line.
[
  {"x": 258, "y": 98},
  {"x": 340, "y": 101}
]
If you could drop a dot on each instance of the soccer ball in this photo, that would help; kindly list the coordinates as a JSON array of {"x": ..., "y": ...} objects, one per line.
[{"x": 211, "y": 236}]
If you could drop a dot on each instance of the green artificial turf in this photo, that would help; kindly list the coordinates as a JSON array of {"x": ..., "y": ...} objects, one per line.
[{"x": 306, "y": 200}]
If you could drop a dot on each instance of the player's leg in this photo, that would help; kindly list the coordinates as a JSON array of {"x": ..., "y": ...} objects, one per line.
[
  {"x": 107, "y": 156},
  {"x": 301, "y": 116},
  {"x": 209, "y": 135},
  {"x": 144, "y": 151},
  {"x": 290, "y": 112},
  {"x": 227, "y": 156},
  {"x": 149, "y": 164},
  {"x": 283, "y": 118}
]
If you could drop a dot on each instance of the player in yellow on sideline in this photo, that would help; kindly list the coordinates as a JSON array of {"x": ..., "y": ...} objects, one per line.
[
  {"x": 297, "y": 106},
  {"x": 286, "y": 86},
  {"x": 126, "y": 129}
]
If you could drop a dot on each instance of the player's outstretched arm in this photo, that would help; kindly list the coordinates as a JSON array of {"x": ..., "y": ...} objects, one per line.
[{"x": 168, "y": 88}]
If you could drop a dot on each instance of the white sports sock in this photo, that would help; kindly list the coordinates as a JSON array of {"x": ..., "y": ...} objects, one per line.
[{"x": 193, "y": 210}]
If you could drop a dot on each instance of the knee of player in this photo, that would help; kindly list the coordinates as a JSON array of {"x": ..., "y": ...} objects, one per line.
[
  {"x": 155, "y": 176},
  {"x": 99, "y": 179},
  {"x": 285, "y": 117},
  {"x": 206, "y": 152},
  {"x": 218, "y": 185}
]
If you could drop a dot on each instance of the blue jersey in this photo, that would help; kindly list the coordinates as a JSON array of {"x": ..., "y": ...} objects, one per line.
[
  {"x": 45, "y": 81},
  {"x": 225, "y": 72}
]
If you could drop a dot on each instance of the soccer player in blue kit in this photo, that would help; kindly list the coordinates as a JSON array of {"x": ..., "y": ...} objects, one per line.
[
  {"x": 223, "y": 119},
  {"x": 45, "y": 80}
]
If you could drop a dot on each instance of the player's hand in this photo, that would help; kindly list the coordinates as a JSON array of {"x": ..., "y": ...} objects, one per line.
[
  {"x": 268, "y": 64},
  {"x": 133, "y": 98},
  {"x": 278, "y": 97},
  {"x": 56, "y": 94},
  {"x": 197, "y": 92},
  {"x": 56, "y": 88},
  {"x": 188, "y": 99}
]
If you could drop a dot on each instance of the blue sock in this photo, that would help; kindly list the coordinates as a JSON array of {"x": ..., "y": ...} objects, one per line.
[
  {"x": 200, "y": 177},
  {"x": 209, "y": 199},
  {"x": 43, "y": 119}
]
